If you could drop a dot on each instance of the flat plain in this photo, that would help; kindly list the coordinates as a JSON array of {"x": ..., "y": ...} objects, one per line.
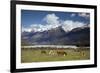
[{"x": 29, "y": 55}]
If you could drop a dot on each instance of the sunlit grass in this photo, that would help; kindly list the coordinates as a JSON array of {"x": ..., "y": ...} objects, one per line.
[{"x": 35, "y": 55}]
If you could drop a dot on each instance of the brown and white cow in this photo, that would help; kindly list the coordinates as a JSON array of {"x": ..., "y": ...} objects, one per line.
[{"x": 61, "y": 52}]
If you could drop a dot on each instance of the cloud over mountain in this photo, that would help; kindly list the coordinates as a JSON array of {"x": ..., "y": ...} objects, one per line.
[
  {"x": 85, "y": 15},
  {"x": 69, "y": 25},
  {"x": 53, "y": 21}
]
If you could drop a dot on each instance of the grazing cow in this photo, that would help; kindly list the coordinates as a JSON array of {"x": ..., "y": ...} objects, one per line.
[
  {"x": 51, "y": 52},
  {"x": 43, "y": 52},
  {"x": 61, "y": 53}
]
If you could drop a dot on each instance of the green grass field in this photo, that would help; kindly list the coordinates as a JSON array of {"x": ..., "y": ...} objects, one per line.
[{"x": 42, "y": 55}]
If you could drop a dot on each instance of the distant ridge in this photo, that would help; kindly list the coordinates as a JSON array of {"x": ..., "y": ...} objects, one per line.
[{"x": 57, "y": 36}]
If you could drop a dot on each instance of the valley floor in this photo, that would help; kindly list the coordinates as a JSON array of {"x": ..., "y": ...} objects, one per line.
[{"x": 47, "y": 55}]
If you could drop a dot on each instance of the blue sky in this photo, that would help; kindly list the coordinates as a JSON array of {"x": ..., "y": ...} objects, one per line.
[{"x": 32, "y": 19}]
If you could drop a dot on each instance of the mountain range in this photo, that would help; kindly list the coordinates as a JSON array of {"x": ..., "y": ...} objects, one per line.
[{"x": 79, "y": 36}]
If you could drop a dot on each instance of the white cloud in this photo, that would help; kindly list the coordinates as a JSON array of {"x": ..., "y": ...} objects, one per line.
[
  {"x": 26, "y": 29},
  {"x": 69, "y": 25},
  {"x": 86, "y": 15},
  {"x": 72, "y": 15},
  {"x": 53, "y": 21}
]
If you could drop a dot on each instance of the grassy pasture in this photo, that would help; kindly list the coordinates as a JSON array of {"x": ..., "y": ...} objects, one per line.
[{"x": 29, "y": 55}]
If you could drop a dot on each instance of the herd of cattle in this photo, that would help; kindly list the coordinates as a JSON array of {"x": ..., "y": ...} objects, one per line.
[
  {"x": 60, "y": 52},
  {"x": 53, "y": 52}
]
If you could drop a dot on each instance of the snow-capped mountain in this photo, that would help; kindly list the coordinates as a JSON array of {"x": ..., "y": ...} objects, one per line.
[{"x": 58, "y": 36}]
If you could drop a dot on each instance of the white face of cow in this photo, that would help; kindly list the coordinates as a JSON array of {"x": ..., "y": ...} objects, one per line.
[
  {"x": 57, "y": 52},
  {"x": 51, "y": 52}
]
